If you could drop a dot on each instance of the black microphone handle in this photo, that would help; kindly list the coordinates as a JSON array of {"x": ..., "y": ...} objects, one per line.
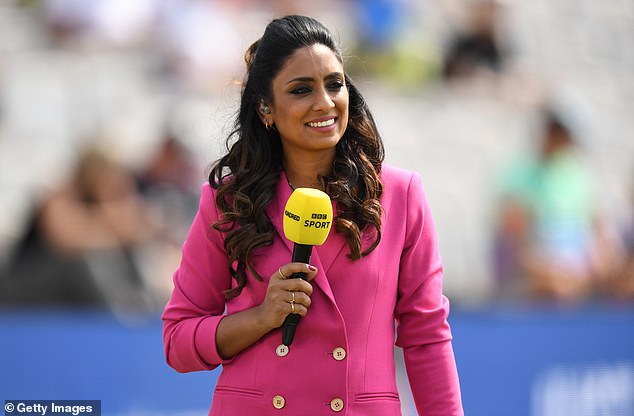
[{"x": 301, "y": 254}]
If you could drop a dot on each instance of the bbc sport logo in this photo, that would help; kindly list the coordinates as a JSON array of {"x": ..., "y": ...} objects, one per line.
[{"x": 52, "y": 407}]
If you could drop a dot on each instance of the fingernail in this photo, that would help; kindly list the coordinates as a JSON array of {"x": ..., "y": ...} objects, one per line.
[{"x": 312, "y": 268}]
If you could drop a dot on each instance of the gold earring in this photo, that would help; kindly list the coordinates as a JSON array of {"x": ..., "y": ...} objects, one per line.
[{"x": 268, "y": 124}]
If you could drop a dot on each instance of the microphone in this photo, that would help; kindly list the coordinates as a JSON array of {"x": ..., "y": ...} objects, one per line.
[{"x": 307, "y": 221}]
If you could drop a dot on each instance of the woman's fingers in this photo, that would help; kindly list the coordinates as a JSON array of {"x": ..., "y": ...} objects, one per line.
[
  {"x": 286, "y": 271},
  {"x": 286, "y": 295}
]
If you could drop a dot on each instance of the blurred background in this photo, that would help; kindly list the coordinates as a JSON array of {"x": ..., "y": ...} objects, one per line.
[{"x": 518, "y": 116}]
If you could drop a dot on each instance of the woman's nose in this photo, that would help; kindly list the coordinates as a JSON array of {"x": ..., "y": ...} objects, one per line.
[{"x": 323, "y": 100}]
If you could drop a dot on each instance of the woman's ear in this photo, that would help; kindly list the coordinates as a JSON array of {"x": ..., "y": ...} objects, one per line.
[{"x": 264, "y": 111}]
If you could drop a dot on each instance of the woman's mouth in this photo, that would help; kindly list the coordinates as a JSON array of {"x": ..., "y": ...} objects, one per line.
[{"x": 322, "y": 123}]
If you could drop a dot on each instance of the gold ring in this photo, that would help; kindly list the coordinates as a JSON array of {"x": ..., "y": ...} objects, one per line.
[
  {"x": 292, "y": 307},
  {"x": 293, "y": 293},
  {"x": 281, "y": 274}
]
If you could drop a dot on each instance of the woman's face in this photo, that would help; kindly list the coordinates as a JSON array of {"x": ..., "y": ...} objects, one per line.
[{"x": 310, "y": 101}]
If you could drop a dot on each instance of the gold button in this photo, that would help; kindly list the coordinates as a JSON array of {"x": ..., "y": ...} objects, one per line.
[
  {"x": 339, "y": 353},
  {"x": 279, "y": 402},
  {"x": 282, "y": 350},
  {"x": 336, "y": 404}
]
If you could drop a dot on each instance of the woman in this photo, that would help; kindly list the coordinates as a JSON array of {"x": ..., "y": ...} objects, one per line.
[{"x": 302, "y": 123}]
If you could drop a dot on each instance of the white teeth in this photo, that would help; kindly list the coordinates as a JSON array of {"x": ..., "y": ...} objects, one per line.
[{"x": 324, "y": 123}]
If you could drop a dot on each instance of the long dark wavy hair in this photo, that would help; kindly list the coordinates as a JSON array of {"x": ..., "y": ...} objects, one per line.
[{"x": 246, "y": 177}]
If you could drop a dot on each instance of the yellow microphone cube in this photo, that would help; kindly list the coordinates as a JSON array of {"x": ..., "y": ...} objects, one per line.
[{"x": 308, "y": 216}]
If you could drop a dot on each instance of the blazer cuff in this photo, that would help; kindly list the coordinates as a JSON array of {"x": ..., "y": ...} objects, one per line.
[{"x": 205, "y": 341}]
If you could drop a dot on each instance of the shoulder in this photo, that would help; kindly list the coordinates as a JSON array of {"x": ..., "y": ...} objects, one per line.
[
  {"x": 207, "y": 193},
  {"x": 207, "y": 189},
  {"x": 403, "y": 193},
  {"x": 390, "y": 173},
  {"x": 207, "y": 205},
  {"x": 398, "y": 180}
]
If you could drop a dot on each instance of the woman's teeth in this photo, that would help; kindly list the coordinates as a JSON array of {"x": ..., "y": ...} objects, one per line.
[{"x": 324, "y": 123}]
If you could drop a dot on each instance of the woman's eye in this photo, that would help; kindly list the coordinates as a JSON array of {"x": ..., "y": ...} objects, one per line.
[
  {"x": 336, "y": 85},
  {"x": 300, "y": 90}
]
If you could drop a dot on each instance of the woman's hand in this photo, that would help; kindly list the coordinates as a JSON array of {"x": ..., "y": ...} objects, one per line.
[{"x": 285, "y": 295}]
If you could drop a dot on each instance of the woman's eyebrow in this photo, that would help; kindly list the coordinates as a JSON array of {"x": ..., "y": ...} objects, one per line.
[
  {"x": 301, "y": 79},
  {"x": 311, "y": 79}
]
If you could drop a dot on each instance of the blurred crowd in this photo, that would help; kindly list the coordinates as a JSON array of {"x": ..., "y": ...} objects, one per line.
[
  {"x": 111, "y": 110},
  {"x": 551, "y": 241}
]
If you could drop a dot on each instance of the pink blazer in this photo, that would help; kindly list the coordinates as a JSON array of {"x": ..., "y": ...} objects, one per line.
[{"x": 342, "y": 358}]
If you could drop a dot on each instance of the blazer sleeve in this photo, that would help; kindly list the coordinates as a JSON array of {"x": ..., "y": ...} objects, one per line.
[
  {"x": 197, "y": 303},
  {"x": 421, "y": 312}
]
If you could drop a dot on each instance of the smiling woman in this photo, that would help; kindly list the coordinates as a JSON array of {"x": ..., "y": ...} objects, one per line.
[
  {"x": 303, "y": 123},
  {"x": 310, "y": 112}
]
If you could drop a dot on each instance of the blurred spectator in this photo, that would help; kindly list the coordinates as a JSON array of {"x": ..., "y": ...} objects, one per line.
[
  {"x": 627, "y": 276},
  {"x": 475, "y": 49},
  {"x": 169, "y": 185},
  {"x": 548, "y": 241},
  {"x": 393, "y": 43},
  {"x": 79, "y": 245},
  {"x": 621, "y": 284},
  {"x": 378, "y": 23},
  {"x": 117, "y": 23},
  {"x": 66, "y": 19},
  {"x": 186, "y": 29}
]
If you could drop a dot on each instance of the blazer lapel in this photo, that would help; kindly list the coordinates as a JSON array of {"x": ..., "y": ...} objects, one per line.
[
  {"x": 275, "y": 210},
  {"x": 321, "y": 257}
]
